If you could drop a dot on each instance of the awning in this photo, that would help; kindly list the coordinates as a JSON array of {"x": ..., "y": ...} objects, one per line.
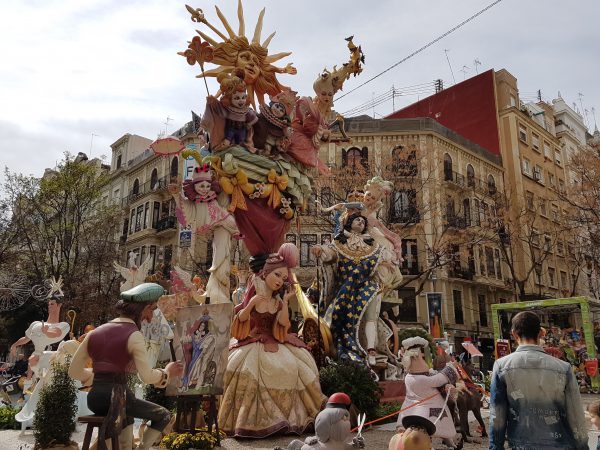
[{"x": 473, "y": 351}]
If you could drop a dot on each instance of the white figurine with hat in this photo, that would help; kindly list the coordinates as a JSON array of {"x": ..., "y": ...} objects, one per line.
[{"x": 425, "y": 389}]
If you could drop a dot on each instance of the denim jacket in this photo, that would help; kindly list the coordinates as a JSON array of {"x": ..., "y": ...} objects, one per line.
[{"x": 535, "y": 403}]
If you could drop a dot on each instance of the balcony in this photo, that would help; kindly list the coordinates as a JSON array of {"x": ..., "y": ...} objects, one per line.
[
  {"x": 454, "y": 178},
  {"x": 453, "y": 221},
  {"x": 408, "y": 215},
  {"x": 166, "y": 224},
  {"x": 159, "y": 185},
  {"x": 462, "y": 273}
]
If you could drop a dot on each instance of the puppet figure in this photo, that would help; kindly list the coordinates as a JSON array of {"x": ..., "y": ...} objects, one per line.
[
  {"x": 272, "y": 131},
  {"x": 232, "y": 108}
]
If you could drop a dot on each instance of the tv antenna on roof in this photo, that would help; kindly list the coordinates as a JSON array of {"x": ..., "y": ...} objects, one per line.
[
  {"x": 166, "y": 123},
  {"x": 476, "y": 63}
]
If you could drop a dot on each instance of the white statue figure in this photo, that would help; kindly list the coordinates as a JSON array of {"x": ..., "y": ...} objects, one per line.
[
  {"x": 43, "y": 334},
  {"x": 157, "y": 334},
  {"x": 133, "y": 275}
]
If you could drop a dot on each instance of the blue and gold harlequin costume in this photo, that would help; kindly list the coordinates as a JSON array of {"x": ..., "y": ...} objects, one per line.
[{"x": 357, "y": 288}]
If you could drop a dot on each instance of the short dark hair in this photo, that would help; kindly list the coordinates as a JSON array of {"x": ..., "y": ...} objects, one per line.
[
  {"x": 526, "y": 325},
  {"x": 131, "y": 310}
]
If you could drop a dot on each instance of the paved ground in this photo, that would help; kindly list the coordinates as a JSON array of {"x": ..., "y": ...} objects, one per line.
[{"x": 376, "y": 439}]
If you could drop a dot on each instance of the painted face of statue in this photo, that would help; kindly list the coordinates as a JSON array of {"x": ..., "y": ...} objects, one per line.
[
  {"x": 250, "y": 63},
  {"x": 278, "y": 110},
  {"x": 202, "y": 187},
  {"x": 53, "y": 307},
  {"x": 238, "y": 99},
  {"x": 276, "y": 278},
  {"x": 326, "y": 97},
  {"x": 370, "y": 198},
  {"x": 358, "y": 225}
]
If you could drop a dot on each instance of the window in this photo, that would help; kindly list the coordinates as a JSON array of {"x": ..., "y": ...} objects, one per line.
[
  {"x": 467, "y": 211},
  {"x": 325, "y": 239},
  {"x": 174, "y": 167},
  {"x": 547, "y": 244},
  {"x": 354, "y": 158},
  {"x": 326, "y": 197},
  {"x": 136, "y": 187},
  {"x": 555, "y": 213},
  {"x": 447, "y": 167},
  {"x": 543, "y": 207},
  {"x": 538, "y": 272},
  {"x": 131, "y": 222},
  {"x": 482, "y": 303},
  {"x": 481, "y": 262},
  {"x": 307, "y": 259},
  {"x": 513, "y": 101},
  {"x": 498, "y": 263},
  {"x": 535, "y": 237},
  {"x": 523, "y": 133},
  {"x": 485, "y": 213},
  {"x": 152, "y": 257},
  {"x": 563, "y": 280},
  {"x": 552, "y": 276},
  {"x": 404, "y": 162},
  {"x": 538, "y": 174},
  {"x": 458, "y": 307},
  {"x": 557, "y": 157},
  {"x": 155, "y": 214},
  {"x": 470, "y": 176},
  {"x": 410, "y": 265},
  {"x": 560, "y": 247},
  {"x": 116, "y": 197},
  {"x": 547, "y": 151},
  {"x": 118, "y": 161},
  {"x": 404, "y": 208},
  {"x": 529, "y": 200},
  {"x": 551, "y": 180},
  {"x": 561, "y": 185},
  {"x": 143, "y": 255},
  {"x": 146, "y": 215},
  {"x": 489, "y": 259},
  {"x": 138, "y": 217},
  {"x": 491, "y": 185},
  {"x": 535, "y": 142},
  {"x": 526, "y": 166},
  {"x": 408, "y": 307},
  {"x": 154, "y": 179},
  {"x": 291, "y": 238},
  {"x": 476, "y": 219}
]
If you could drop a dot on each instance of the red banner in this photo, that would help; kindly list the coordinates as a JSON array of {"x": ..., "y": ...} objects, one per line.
[{"x": 591, "y": 367}]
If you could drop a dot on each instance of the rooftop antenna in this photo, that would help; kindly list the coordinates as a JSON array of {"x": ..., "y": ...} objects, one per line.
[
  {"x": 580, "y": 95},
  {"x": 464, "y": 71},
  {"x": 166, "y": 123},
  {"x": 449, "y": 65},
  {"x": 92, "y": 142},
  {"x": 476, "y": 63},
  {"x": 594, "y": 116}
]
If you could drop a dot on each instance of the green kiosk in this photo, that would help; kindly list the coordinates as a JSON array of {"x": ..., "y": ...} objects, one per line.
[{"x": 573, "y": 305}]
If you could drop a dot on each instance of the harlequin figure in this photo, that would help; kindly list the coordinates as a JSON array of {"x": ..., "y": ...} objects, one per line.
[{"x": 117, "y": 349}]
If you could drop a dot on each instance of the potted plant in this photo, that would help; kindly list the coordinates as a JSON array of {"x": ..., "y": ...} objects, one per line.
[{"x": 54, "y": 421}]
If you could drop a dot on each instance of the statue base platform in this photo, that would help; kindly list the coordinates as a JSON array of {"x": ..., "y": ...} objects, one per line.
[{"x": 393, "y": 391}]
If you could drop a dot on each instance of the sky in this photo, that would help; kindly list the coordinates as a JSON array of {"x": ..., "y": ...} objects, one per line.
[{"x": 76, "y": 76}]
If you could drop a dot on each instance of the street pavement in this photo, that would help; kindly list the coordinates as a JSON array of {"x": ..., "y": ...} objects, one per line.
[{"x": 376, "y": 438}]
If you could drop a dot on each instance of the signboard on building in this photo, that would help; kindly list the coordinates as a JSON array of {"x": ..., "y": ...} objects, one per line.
[
  {"x": 185, "y": 238},
  {"x": 434, "y": 314}
]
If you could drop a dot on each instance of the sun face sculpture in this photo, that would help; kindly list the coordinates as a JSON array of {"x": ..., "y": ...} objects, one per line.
[{"x": 235, "y": 51}]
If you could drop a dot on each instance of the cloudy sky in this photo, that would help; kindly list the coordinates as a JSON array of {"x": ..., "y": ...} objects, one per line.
[{"x": 74, "y": 70}]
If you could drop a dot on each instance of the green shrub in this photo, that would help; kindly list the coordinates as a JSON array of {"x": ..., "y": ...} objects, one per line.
[
  {"x": 353, "y": 379},
  {"x": 55, "y": 413},
  {"x": 384, "y": 409},
  {"x": 7, "y": 418}
]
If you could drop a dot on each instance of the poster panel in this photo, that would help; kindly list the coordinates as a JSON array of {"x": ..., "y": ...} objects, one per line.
[{"x": 434, "y": 314}]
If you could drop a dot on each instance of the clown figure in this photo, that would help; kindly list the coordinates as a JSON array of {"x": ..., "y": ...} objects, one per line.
[
  {"x": 421, "y": 383},
  {"x": 199, "y": 208}
]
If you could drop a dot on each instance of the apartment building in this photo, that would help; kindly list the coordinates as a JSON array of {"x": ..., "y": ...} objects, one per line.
[
  {"x": 443, "y": 205},
  {"x": 139, "y": 184}
]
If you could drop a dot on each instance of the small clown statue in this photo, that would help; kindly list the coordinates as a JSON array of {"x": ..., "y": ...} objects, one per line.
[{"x": 423, "y": 383}]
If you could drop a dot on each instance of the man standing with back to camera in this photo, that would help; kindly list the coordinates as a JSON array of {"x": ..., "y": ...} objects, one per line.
[{"x": 535, "y": 402}]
